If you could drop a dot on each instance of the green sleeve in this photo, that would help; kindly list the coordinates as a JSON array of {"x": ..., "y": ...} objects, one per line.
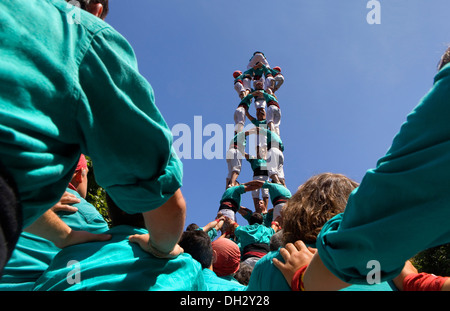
[
  {"x": 247, "y": 100},
  {"x": 269, "y": 97},
  {"x": 277, "y": 190},
  {"x": 272, "y": 138},
  {"x": 267, "y": 71},
  {"x": 124, "y": 133},
  {"x": 401, "y": 206},
  {"x": 233, "y": 192}
]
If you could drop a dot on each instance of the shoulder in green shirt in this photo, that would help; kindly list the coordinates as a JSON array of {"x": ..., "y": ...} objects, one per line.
[
  {"x": 33, "y": 254},
  {"x": 119, "y": 265},
  {"x": 62, "y": 85}
]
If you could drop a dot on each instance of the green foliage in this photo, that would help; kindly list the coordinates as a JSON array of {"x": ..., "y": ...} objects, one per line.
[
  {"x": 96, "y": 195},
  {"x": 434, "y": 260}
]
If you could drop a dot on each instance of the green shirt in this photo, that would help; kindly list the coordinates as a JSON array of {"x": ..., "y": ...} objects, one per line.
[
  {"x": 256, "y": 122},
  {"x": 268, "y": 97},
  {"x": 266, "y": 277},
  {"x": 276, "y": 191},
  {"x": 269, "y": 71},
  {"x": 233, "y": 194},
  {"x": 119, "y": 265},
  {"x": 245, "y": 75},
  {"x": 255, "y": 233},
  {"x": 33, "y": 254},
  {"x": 239, "y": 140},
  {"x": 215, "y": 283},
  {"x": 247, "y": 101},
  {"x": 404, "y": 200},
  {"x": 273, "y": 140},
  {"x": 70, "y": 88},
  {"x": 258, "y": 166}
]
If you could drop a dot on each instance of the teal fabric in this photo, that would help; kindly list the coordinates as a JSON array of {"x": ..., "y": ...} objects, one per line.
[
  {"x": 255, "y": 233},
  {"x": 68, "y": 88},
  {"x": 256, "y": 163},
  {"x": 120, "y": 265},
  {"x": 212, "y": 233},
  {"x": 273, "y": 140},
  {"x": 277, "y": 191},
  {"x": 215, "y": 283},
  {"x": 268, "y": 97},
  {"x": 270, "y": 71},
  {"x": 234, "y": 194},
  {"x": 266, "y": 277},
  {"x": 247, "y": 101},
  {"x": 240, "y": 140},
  {"x": 256, "y": 122},
  {"x": 33, "y": 254},
  {"x": 404, "y": 200}
]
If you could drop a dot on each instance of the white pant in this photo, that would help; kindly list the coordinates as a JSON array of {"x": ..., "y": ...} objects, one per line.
[
  {"x": 273, "y": 115},
  {"x": 274, "y": 82},
  {"x": 260, "y": 103},
  {"x": 258, "y": 57},
  {"x": 239, "y": 118},
  {"x": 239, "y": 88},
  {"x": 234, "y": 161},
  {"x": 277, "y": 210},
  {"x": 263, "y": 191},
  {"x": 275, "y": 162},
  {"x": 228, "y": 213}
]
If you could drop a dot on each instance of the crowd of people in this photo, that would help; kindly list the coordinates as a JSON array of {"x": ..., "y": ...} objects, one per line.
[{"x": 319, "y": 238}]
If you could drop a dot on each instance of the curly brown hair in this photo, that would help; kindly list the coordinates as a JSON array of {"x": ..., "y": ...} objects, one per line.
[
  {"x": 445, "y": 59},
  {"x": 316, "y": 201}
]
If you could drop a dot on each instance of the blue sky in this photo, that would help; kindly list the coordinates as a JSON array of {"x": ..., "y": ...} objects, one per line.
[{"x": 349, "y": 85}]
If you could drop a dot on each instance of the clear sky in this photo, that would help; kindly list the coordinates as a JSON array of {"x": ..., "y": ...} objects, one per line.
[{"x": 349, "y": 84}]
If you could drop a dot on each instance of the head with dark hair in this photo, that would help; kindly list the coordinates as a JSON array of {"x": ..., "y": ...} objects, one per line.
[
  {"x": 88, "y": 5},
  {"x": 197, "y": 243},
  {"x": 119, "y": 217},
  {"x": 192, "y": 227},
  {"x": 316, "y": 201},
  {"x": 256, "y": 218},
  {"x": 244, "y": 273},
  {"x": 445, "y": 59}
]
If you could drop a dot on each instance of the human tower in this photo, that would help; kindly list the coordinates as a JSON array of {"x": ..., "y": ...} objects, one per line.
[{"x": 257, "y": 85}]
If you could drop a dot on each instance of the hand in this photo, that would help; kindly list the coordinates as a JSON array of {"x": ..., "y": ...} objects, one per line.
[
  {"x": 244, "y": 211},
  {"x": 253, "y": 185},
  {"x": 143, "y": 240},
  {"x": 295, "y": 256},
  {"x": 63, "y": 204}
]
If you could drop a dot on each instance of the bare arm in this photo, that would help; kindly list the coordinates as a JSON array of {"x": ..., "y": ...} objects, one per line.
[
  {"x": 49, "y": 226},
  {"x": 316, "y": 277},
  {"x": 165, "y": 225},
  {"x": 319, "y": 278}
]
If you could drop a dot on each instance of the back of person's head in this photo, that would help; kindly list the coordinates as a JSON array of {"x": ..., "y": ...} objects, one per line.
[
  {"x": 192, "y": 226},
  {"x": 445, "y": 59},
  {"x": 119, "y": 217},
  {"x": 276, "y": 241},
  {"x": 255, "y": 218},
  {"x": 197, "y": 243},
  {"x": 243, "y": 274},
  {"x": 316, "y": 201},
  {"x": 227, "y": 257}
]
